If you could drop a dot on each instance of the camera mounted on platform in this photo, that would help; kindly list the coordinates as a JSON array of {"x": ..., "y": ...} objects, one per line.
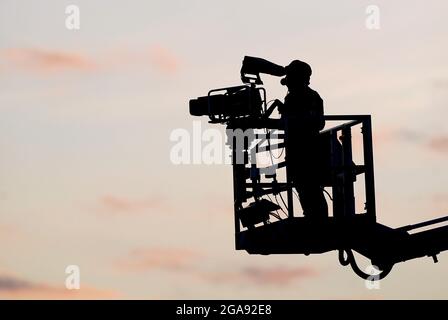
[
  {"x": 246, "y": 101},
  {"x": 349, "y": 228}
]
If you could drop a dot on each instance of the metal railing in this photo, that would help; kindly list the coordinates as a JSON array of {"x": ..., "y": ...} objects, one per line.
[{"x": 342, "y": 171}]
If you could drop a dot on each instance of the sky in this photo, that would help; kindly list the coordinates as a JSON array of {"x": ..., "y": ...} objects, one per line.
[{"x": 85, "y": 171}]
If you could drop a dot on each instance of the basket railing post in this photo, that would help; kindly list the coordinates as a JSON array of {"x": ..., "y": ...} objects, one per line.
[{"x": 369, "y": 169}]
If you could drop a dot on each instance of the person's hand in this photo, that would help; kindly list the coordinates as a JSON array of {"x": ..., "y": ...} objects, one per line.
[{"x": 280, "y": 105}]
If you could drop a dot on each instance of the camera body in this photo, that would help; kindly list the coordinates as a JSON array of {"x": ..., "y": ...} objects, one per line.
[
  {"x": 246, "y": 101},
  {"x": 225, "y": 104}
]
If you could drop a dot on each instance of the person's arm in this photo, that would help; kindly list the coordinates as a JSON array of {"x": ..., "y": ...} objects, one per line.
[
  {"x": 320, "y": 113},
  {"x": 275, "y": 104}
]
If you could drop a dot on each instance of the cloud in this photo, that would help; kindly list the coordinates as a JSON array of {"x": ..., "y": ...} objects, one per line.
[
  {"x": 112, "y": 204},
  {"x": 440, "y": 83},
  {"x": 164, "y": 60},
  {"x": 439, "y": 144},
  {"x": 280, "y": 276},
  {"x": 157, "y": 56},
  {"x": 46, "y": 61},
  {"x": 222, "y": 206},
  {"x": 439, "y": 202},
  {"x": 184, "y": 262},
  {"x": 11, "y": 232},
  {"x": 12, "y": 287},
  {"x": 440, "y": 198},
  {"x": 386, "y": 136},
  {"x": 383, "y": 136},
  {"x": 50, "y": 61},
  {"x": 158, "y": 258},
  {"x": 409, "y": 135},
  {"x": 11, "y": 284}
]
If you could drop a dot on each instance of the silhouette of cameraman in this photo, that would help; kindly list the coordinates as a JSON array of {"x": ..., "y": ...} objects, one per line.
[{"x": 303, "y": 115}]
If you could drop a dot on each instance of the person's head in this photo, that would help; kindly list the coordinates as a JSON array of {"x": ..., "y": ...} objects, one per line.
[{"x": 298, "y": 75}]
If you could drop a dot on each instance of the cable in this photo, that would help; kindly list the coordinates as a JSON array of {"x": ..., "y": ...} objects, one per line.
[
  {"x": 277, "y": 215},
  {"x": 272, "y": 161},
  {"x": 276, "y": 201},
  {"x": 296, "y": 194},
  {"x": 266, "y": 105},
  {"x": 329, "y": 196},
  {"x": 268, "y": 132},
  {"x": 281, "y": 153},
  {"x": 384, "y": 271},
  {"x": 281, "y": 197}
]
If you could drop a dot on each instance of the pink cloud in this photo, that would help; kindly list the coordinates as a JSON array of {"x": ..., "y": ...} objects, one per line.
[
  {"x": 49, "y": 61},
  {"x": 279, "y": 276},
  {"x": 439, "y": 144},
  {"x": 381, "y": 137},
  {"x": 113, "y": 204},
  {"x": 158, "y": 258},
  {"x": 385, "y": 135},
  {"x": 185, "y": 262},
  {"x": 164, "y": 60},
  {"x": 439, "y": 202},
  {"x": 440, "y": 198},
  {"x": 220, "y": 205},
  {"x": 46, "y": 61},
  {"x": 12, "y": 287},
  {"x": 10, "y": 232}
]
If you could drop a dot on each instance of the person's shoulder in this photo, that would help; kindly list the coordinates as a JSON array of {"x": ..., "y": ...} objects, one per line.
[{"x": 314, "y": 93}]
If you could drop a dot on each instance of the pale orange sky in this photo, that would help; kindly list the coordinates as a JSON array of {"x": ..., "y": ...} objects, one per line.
[{"x": 85, "y": 176}]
